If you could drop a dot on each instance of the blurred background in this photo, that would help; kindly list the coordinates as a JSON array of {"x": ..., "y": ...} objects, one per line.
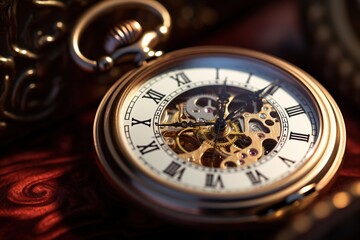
[{"x": 50, "y": 187}]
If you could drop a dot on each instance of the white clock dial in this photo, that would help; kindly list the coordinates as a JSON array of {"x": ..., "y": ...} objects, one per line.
[{"x": 264, "y": 142}]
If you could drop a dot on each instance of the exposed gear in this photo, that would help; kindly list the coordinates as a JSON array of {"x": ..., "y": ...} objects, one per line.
[
  {"x": 242, "y": 142},
  {"x": 260, "y": 129},
  {"x": 227, "y": 137},
  {"x": 202, "y": 107}
]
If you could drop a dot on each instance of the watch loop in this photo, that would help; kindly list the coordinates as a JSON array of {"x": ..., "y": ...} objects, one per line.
[{"x": 141, "y": 47}]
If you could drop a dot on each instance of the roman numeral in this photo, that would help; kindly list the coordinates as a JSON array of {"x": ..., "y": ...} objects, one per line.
[
  {"x": 144, "y": 149},
  {"x": 288, "y": 162},
  {"x": 135, "y": 121},
  {"x": 213, "y": 181},
  {"x": 299, "y": 136},
  {"x": 154, "y": 95},
  {"x": 248, "y": 79},
  {"x": 175, "y": 169},
  {"x": 256, "y": 177},
  {"x": 295, "y": 110},
  {"x": 181, "y": 79}
]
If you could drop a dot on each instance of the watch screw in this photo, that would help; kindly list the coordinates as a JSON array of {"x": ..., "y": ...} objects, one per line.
[{"x": 122, "y": 34}]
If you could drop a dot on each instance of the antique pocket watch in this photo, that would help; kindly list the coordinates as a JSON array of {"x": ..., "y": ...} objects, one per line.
[{"x": 212, "y": 134}]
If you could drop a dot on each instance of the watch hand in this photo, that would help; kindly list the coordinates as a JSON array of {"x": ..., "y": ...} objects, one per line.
[
  {"x": 231, "y": 115},
  {"x": 268, "y": 89},
  {"x": 259, "y": 94},
  {"x": 241, "y": 125},
  {"x": 185, "y": 124},
  {"x": 220, "y": 123},
  {"x": 223, "y": 99},
  {"x": 218, "y": 129},
  {"x": 254, "y": 99}
]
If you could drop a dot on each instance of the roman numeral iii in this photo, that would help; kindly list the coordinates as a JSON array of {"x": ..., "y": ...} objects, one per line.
[
  {"x": 299, "y": 136},
  {"x": 295, "y": 110}
]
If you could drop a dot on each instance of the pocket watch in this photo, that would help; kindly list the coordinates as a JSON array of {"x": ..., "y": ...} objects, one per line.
[{"x": 211, "y": 134}]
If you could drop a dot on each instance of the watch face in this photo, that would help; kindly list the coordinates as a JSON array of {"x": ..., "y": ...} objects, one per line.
[{"x": 217, "y": 129}]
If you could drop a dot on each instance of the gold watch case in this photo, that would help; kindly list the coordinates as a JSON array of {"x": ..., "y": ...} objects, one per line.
[{"x": 169, "y": 197}]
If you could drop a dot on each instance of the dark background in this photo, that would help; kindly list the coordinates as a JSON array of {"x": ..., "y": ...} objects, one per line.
[{"x": 50, "y": 186}]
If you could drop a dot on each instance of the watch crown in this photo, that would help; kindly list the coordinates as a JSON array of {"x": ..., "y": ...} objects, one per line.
[{"x": 124, "y": 33}]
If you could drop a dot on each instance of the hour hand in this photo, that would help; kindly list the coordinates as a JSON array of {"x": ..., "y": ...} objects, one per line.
[
  {"x": 224, "y": 96},
  {"x": 232, "y": 114},
  {"x": 223, "y": 100},
  {"x": 253, "y": 100},
  {"x": 185, "y": 124}
]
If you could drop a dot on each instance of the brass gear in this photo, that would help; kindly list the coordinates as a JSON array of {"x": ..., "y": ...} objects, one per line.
[{"x": 228, "y": 137}]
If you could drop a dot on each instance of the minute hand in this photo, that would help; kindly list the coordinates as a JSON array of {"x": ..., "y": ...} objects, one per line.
[
  {"x": 185, "y": 124},
  {"x": 269, "y": 89}
]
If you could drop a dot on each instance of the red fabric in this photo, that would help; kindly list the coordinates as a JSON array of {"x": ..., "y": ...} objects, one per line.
[{"x": 51, "y": 188}]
